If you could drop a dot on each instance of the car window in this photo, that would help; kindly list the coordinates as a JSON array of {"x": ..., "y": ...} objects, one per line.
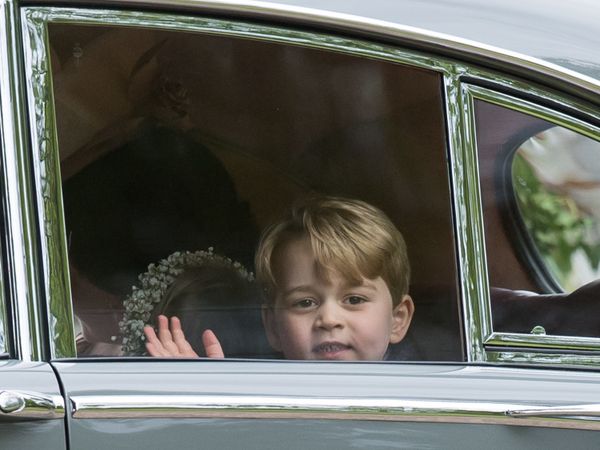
[
  {"x": 540, "y": 187},
  {"x": 174, "y": 142}
]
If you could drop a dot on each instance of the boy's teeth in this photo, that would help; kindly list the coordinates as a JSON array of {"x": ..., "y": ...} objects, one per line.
[{"x": 328, "y": 348}]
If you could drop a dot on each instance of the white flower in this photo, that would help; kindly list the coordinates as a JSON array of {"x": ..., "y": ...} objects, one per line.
[{"x": 154, "y": 284}]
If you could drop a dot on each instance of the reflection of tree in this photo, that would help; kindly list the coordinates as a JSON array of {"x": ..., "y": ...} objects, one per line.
[{"x": 559, "y": 228}]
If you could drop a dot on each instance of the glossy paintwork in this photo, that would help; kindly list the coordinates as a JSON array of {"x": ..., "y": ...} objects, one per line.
[
  {"x": 259, "y": 434},
  {"x": 225, "y": 384},
  {"x": 20, "y": 433}
]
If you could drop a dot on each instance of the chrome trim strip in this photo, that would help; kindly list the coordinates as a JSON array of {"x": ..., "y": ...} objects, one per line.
[
  {"x": 554, "y": 342},
  {"x": 21, "y": 234},
  {"x": 307, "y": 16},
  {"x": 467, "y": 215},
  {"x": 534, "y": 356},
  {"x": 543, "y": 112},
  {"x": 38, "y": 16},
  {"x": 290, "y": 407},
  {"x": 49, "y": 189},
  {"x": 35, "y": 406},
  {"x": 592, "y": 410}
]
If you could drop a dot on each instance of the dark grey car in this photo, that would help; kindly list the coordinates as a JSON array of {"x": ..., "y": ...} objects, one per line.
[{"x": 135, "y": 130}]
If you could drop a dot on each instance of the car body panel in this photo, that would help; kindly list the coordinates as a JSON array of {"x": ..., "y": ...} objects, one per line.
[
  {"x": 39, "y": 422},
  {"x": 363, "y": 405}
]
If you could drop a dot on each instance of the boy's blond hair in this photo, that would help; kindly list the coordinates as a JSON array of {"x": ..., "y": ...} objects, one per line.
[{"x": 348, "y": 237}]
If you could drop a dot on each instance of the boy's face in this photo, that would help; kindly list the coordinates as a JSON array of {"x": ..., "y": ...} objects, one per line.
[{"x": 317, "y": 317}]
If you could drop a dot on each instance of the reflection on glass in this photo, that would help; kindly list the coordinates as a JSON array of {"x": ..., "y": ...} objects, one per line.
[{"x": 556, "y": 180}]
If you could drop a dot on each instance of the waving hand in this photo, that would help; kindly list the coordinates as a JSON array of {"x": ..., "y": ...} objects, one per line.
[{"x": 171, "y": 342}]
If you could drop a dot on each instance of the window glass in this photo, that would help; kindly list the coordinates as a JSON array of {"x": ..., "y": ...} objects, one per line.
[
  {"x": 556, "y": 182},
  {"x": 175, "y": 142},
  {"x": 540, "y": 185}
]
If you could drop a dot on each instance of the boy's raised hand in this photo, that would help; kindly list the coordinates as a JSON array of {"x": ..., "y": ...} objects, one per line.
[{"x": 171, "y": 342}]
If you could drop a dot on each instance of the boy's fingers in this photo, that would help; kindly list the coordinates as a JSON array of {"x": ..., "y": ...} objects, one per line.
[{"x": 212, "y": 346}]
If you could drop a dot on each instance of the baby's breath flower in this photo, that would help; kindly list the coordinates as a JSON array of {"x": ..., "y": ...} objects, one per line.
[{"x": 154, "y": 284}]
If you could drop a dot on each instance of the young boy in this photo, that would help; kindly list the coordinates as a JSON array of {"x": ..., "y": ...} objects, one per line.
[{"x": 335, "y": 273}]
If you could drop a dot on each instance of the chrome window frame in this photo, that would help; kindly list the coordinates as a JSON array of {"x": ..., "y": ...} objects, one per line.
[
  {"x": 528, "y": 343},
  {"x": 45, "y": 148},
  {"x": 22, "y": 284},
  {"x": 462, "y": 153}
]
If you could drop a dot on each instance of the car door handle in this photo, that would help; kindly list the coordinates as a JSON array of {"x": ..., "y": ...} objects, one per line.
[
  {"x": 20, "y": 405},
  {"x": 591, "y": 410}
]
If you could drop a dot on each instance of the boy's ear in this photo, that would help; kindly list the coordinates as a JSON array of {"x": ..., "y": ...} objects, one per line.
[
  {"x": 268, "y": 318},
  {"x": 401, "y": 316}
]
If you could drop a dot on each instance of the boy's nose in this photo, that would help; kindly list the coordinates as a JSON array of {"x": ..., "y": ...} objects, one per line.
[{"x": 329, "y": 316}]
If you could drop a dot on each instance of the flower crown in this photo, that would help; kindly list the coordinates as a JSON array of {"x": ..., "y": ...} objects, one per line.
[{"x": 154, "y": 284}]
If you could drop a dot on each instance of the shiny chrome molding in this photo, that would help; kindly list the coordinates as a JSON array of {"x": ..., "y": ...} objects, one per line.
[
  {"x": 49, "y": 195},
  {"x": 592, "y": 410},
  {"x": 19, "y": 405},
  {"x": 468, "y": 222},
  {"x": 289, "y": 407},
  {"x": 552, "y": 342},
  {"x": 38, "y": 16},
  {"x": 490, "y": 337},
  {"x": 533, "y": 109},
  {"x": 21, "y": 229},
  {"x": 535, "y": 356}
]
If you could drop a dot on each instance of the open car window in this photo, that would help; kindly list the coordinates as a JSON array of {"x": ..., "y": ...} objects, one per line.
[{"x": 174, "y": 142}]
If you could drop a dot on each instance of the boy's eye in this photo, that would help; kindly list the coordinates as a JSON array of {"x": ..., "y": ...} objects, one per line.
[
  {"x": 355, "y": 300},
  {"x": 305, "y": 303}
]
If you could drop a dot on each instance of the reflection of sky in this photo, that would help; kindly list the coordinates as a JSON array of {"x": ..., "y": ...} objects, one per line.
[{"x": 557, "y": 31}]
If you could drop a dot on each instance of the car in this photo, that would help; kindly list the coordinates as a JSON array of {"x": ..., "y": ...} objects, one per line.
[{"x": 135, "y": 133}]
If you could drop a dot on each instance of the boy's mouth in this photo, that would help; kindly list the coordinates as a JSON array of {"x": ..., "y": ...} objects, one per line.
[{"x": 330, "y": 349}]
